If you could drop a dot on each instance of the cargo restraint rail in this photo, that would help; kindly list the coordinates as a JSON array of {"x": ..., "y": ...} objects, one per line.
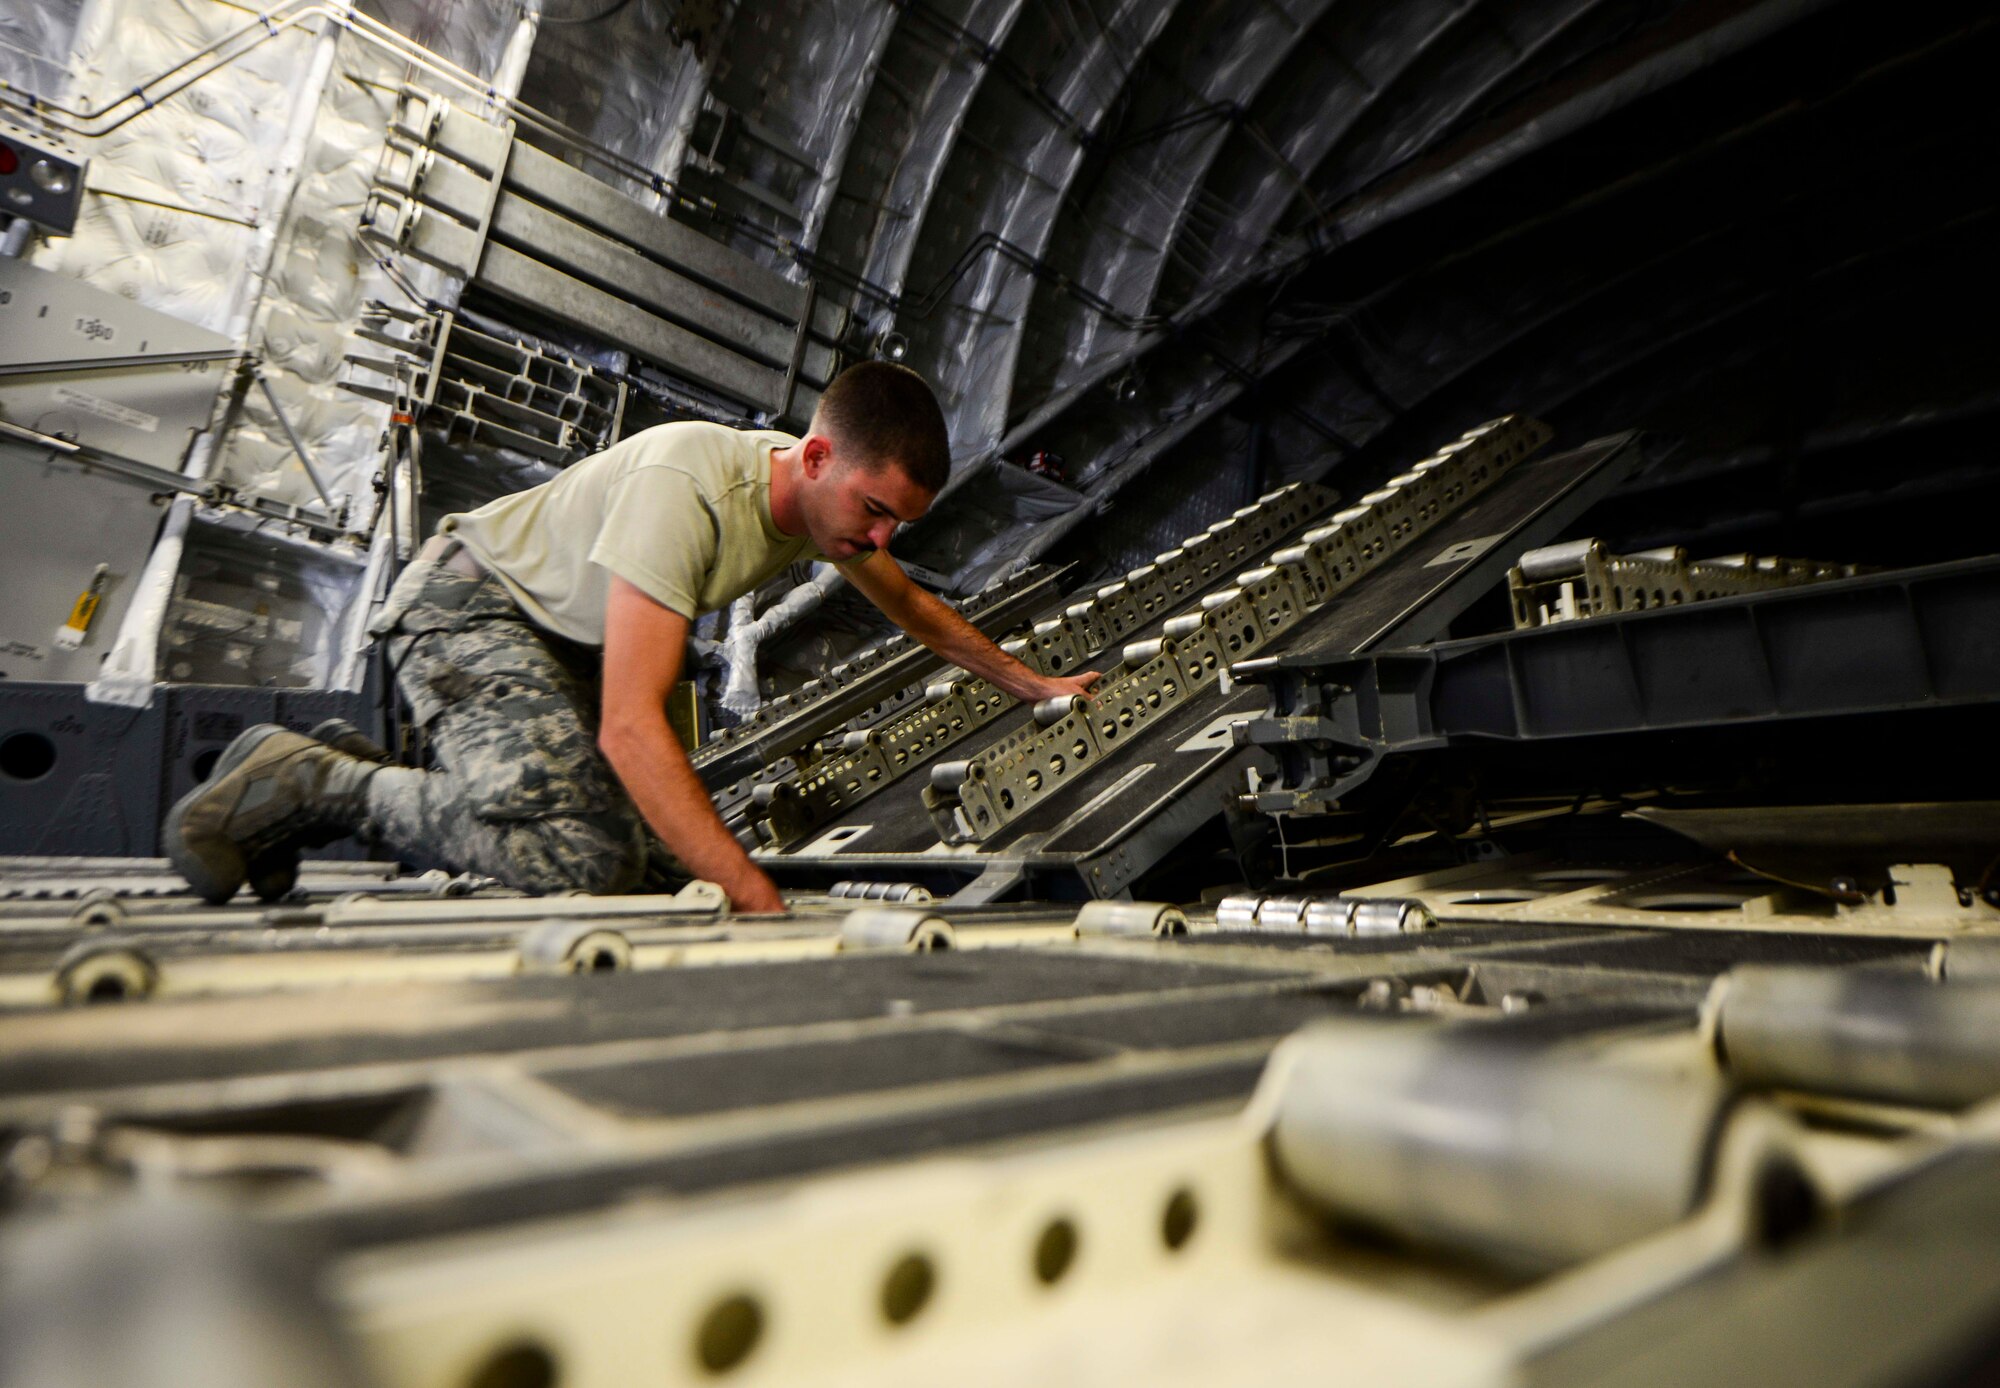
[
  {"x": 867, "y": 761},
  {"x": 972, "y": 799}
]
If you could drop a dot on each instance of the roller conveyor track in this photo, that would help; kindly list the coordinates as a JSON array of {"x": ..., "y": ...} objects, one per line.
[{"x": 1146, "y": 796}]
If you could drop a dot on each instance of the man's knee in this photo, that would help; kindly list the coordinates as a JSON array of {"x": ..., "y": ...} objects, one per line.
[{"x": 566, "y": 853}]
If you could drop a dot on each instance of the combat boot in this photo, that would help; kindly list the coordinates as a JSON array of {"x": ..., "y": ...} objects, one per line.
[
  {"x": 272, "y": 792},
  {"x": 343, "y": 736},
  {"x": 272, "y": 875}
]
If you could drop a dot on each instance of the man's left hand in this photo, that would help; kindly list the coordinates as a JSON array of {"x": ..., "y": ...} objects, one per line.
[{"x": 1065, "y": 686}]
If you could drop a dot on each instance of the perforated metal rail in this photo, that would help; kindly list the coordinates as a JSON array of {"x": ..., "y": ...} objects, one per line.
[
  {"x": 958, "y": 704},
  {"x": 972, "y": 799}
]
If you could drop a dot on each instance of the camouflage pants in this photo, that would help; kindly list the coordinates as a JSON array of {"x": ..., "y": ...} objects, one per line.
[{"x": 520, "y": 791}]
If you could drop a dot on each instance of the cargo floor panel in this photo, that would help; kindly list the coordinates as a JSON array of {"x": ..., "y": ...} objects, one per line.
[
  {"x": 750, "y": 1159},
  {"x": 717, "y": 1083},
  {"x": 168, "y": 1041}
]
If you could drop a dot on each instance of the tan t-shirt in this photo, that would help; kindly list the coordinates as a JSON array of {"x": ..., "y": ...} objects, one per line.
[{"x": 681, "y": 511}]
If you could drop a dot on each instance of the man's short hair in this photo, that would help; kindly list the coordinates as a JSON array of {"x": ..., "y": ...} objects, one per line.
[{"x": 886, "y": 413}]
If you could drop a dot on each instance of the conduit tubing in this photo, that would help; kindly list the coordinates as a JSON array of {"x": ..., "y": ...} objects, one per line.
[{"x": 747, "y": 633}]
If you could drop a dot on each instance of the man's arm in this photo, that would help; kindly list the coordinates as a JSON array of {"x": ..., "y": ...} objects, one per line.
[
  {"x": 933, "y": 622},
  {"x": 644, "y": 643}
]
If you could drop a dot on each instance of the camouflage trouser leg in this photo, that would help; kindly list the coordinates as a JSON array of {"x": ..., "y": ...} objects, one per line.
[{"x": 521, "y": 792}]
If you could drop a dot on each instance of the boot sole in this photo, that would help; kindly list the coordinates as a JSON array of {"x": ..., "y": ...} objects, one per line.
[{"x": 213, "y": 889}]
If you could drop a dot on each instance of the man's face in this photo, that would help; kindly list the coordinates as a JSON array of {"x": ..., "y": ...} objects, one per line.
[{"x": 851, "y": 508}]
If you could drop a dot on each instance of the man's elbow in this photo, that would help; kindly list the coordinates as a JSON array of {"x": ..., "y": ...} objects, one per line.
[{"x": 620, "y": 736}]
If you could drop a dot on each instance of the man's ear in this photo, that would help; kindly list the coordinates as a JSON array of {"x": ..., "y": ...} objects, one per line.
[{"x": 818, "y": 454}]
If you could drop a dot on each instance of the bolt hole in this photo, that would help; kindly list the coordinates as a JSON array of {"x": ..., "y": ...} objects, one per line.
[
  {"x": 203, "y": 766},
  {"x": 603, "y": 961},
  {"x": 1786, "y": 1203},
  {"x": 1055, "y": 1250},
  {"x": 524, "y": 1365},
  {"x": 1178, "y": 1220},
  {"x": 27, "y": 757},
  {"x": 106, "y": 988},
  {"x": 907, "y": 1289},
  {"x": 728, "y": 1333}
]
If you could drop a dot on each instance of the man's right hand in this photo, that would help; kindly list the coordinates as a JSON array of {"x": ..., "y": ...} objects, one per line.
[
  {"x": 1064, "y": 686},
  {"x": 755, "y": 893}
]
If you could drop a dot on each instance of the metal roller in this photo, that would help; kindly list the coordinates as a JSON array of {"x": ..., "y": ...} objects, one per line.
[
  {"x": 1328, "y": 916},
  {"x": 1140, "y": 653},
  {"x": 97, "y": 909},
  {"x": 1049, "y": 712},
  {"x": 158, "y": 1287},
  {"x": 942, "y": 690},
  {"x": 1352, "y": 513},
  {"x": 950, "y": 775},
  {"x": 1468, "y": 1139},
  {"x": 1389, "y": 916},
  {"x": 886, "y": 928},
  {"x": 858, "y": 741},
  {"x": 1551, "y": 562},
  {"x": 1237, "y": 912},
  {"x": 107, "y": 969},
  {"x": 1220, "y": 599},
  {"x": 574, "y": 947},
  {"x": 1868, "y": 1033},
  {"x": 879, "y": 891},
  {"x": 701, "y": 896},
  {"x": 1292, "y": 554},
  {"x": 1187, "y": 624},
  {"x": 1129, "y": 919},
  {"x": 1285, "y": 914}
]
